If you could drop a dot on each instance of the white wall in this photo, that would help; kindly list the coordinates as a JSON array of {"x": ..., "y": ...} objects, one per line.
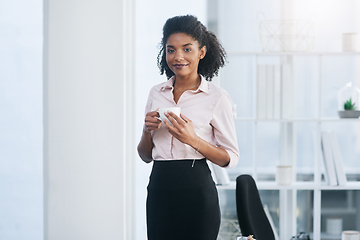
[
  {"x": 88, "y": 145},
  {"x": 150, "y": 18},
  {"x": 84, "y": 111},
  {"x": 21, "y": 126}
]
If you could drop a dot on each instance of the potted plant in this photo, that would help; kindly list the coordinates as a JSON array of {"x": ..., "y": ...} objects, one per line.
[
  {"x": 348, "y": 105},
  {"x": 349, "y": 102}
]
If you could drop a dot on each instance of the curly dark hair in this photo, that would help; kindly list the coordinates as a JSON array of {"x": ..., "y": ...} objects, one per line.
[{"x": 215, "y": 55}]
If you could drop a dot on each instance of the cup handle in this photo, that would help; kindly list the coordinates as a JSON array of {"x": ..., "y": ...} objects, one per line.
[{"x": 159, "y": 115}]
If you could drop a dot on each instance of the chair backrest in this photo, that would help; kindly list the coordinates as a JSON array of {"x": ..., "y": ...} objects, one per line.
[{"x": 251, "y": 215}]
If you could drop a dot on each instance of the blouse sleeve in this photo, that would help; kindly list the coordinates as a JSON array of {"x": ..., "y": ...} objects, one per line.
[{"x": 224, "y": 128}]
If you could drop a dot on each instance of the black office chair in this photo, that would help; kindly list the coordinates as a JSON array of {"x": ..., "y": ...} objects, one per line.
[{"x": 250, "y": 211}]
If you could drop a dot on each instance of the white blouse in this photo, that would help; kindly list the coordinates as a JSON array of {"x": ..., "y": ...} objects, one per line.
[{"x": 209, "y": 108}]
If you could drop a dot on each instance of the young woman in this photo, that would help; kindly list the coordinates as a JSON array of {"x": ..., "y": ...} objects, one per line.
[{"x": 182, "y": 201}]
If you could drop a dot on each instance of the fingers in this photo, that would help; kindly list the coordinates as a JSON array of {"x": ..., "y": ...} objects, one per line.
[
  {"x": 151, "y": 121},
  {"x": 173, "y": 115},
  {"x": 153, "y": 114},
  {"x": 176, "y": 131},
  {"x": 180, "y": 127},
  {"x": 176, "y": 121},
  {"x": 178, "y": 124},
  {"x": 152, "y": 117},
  {"x": 175, "y": 124},
  {"x": 169, "y": 127},
  {"x": 184, "y": 117},
  {"x": 181, "y": 119}
]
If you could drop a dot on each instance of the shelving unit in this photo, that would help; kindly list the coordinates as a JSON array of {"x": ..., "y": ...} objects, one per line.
[
  {"x": 288, "y": 195},
  {"x": 272, "y": 185},
  {"x": 298, "y": 120}
]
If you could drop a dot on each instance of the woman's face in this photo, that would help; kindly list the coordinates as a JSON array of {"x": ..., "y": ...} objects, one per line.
[{"x": 183, "y": 54}]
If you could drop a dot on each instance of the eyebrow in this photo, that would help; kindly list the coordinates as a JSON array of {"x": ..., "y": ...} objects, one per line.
[{"x": 188, "y": 44}]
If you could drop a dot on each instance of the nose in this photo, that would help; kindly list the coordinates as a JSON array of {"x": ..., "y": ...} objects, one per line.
[{"x": 179, "y": 57}]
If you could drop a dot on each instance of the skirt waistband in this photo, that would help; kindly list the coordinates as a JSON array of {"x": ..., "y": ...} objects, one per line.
[
  {"x": 180, "y": 174},
  {"x": 179, "y": 163}
]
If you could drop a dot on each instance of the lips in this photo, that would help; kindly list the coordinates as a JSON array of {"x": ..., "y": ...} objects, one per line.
[{"x": 179, "y": 66}]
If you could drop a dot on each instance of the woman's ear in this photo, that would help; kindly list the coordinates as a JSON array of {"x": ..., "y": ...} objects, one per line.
[{"x": 202, "y": 52}]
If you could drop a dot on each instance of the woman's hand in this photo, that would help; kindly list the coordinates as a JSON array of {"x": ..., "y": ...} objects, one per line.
[
  {"x": 181, "y": 128},
  {"x": 151, "y": 121},
  {"x": 146, "y": 145}
]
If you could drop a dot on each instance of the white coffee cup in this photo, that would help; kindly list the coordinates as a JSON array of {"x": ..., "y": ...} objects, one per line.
[
  {"x": 334, "y": 225},
  {"x": 350, "y": 235},
  {"x": 283, "y": 174},
  {"x": 350, "y": 42},
  {"x": 162, "y": 112}
]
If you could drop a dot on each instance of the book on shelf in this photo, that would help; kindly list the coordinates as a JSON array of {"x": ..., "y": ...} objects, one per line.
[
  {"x": 268, "y": 93},
  {"x": 333, "y": 163},
  {"x": 277, "y": 91},
  {"x": 329, "y": 166},
  {"x": 338, "y": 162},
  {"x": 261, "y": 92},
  {"x": 287, "y": 91}
]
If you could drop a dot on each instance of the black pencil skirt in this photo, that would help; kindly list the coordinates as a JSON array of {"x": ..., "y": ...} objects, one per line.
[{"x": 182, "y": 202}]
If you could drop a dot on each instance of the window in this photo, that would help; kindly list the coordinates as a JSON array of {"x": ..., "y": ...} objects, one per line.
[{"x": 21, "y": 184}]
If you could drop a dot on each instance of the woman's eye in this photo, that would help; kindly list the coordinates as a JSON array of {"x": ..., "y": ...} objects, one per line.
[
  {"x": 170, "y": 50},
  {"x": 187, "y": 50}
]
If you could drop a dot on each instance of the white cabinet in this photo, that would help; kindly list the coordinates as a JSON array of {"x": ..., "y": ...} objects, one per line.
[{"x": 301, "y": 90}]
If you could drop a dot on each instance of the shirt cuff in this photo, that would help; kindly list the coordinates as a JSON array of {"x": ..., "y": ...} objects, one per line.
[
  {"x": 145, "y": 129},
  {"x": 234, "y": 159}
]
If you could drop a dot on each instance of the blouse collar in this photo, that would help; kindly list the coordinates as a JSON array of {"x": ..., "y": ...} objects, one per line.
[{"x": 204, "y": 85}]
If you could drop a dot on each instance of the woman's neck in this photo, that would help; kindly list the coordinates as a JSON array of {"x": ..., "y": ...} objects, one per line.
[{"x": 186, "y": 83}]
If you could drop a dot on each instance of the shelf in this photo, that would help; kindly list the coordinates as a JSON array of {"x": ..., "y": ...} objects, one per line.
[
  {"x": 296, "y": 53},
  {"x": 338, "y": 211},
  {"x": 326, "y": 236},
  {"x": 347, "y": 186},
  {"x": 263, "y": 185},
  {"x": 340, "y": 119},
  {"x": 299, "y": 120}
]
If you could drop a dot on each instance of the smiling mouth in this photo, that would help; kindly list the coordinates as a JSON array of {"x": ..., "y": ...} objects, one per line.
[{"x": 179, "y": 66}]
